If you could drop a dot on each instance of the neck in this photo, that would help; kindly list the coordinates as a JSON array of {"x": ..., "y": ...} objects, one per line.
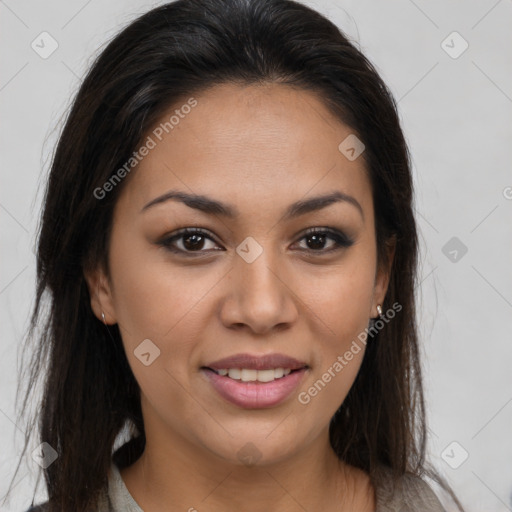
[{"x": 179, "y": 476}]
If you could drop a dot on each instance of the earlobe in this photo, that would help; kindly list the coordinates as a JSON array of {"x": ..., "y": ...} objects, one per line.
[{"x": 101, "y": 296}]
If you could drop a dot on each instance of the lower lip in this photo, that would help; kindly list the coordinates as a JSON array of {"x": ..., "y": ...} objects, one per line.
[{"x": 255, "y": 395}]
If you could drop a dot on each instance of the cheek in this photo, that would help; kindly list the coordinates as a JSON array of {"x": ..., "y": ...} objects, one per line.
[
  {"x": 153, "y": 297},
  {"x": 343, "y": 307},
  {"x": 344, "y": 303},
  {"x": 341, "y": 300},
  {"x": 340, "y": 306},
  {"x": 154, "y": 301}
]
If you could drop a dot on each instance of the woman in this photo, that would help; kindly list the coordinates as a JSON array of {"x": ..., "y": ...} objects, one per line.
[{"x": 229, "y": 246}]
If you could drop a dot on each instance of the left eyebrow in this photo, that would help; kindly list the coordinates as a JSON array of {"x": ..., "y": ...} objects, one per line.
[
  {"x": 213, "y": 207},
  {"x": 320, "y": 202}
]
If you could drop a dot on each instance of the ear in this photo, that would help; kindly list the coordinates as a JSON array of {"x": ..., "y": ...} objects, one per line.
[
  {"x": 383, "y": 276},
  {"x": 100, "y": 292}
]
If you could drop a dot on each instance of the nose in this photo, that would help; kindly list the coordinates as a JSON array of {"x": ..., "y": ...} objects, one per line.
[{"x": 260, "y": 297}]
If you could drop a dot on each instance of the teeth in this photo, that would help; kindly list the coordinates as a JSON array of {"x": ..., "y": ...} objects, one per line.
[
  {"x": 267, "y": 375},
  {"x": 234, "y": 373},
  {"x": 248, "y": 375},
  {"x": 278, "y": 373}
]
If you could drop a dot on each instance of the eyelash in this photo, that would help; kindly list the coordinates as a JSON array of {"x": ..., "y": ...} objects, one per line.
[{"x": 341, "y": 240}]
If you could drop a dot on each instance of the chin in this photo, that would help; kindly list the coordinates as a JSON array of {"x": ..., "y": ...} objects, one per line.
[{"x": 254, "y": 451}]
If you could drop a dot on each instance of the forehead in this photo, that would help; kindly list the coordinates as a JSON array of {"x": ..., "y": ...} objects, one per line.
[{"x": 248, "y": 142}]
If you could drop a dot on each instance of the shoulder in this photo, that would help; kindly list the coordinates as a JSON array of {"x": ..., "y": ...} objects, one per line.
[
  {"x": 103, "y": 505},
  {"x": 409, "y": 492}
]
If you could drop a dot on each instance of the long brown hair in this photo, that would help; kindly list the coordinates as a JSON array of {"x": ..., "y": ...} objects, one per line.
[{"x": 177, "y": 50}]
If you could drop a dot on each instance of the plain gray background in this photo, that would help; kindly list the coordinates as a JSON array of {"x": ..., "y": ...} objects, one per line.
[{"x": 456, "y": 110}]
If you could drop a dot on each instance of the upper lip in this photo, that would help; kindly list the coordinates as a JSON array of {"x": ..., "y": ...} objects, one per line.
[{"x": 257, "y": 362}]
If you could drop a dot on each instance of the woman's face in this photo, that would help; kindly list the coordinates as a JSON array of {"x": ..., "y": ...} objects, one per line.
[{"x": 253, "y": 282}]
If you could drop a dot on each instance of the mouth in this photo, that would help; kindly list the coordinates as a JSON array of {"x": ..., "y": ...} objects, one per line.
[{"x": 255, "y": 381}]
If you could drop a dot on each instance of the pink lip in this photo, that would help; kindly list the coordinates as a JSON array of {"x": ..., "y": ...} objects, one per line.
[
  {"x": 257, "y": 362},
  {"x": 254, "y": 395}
]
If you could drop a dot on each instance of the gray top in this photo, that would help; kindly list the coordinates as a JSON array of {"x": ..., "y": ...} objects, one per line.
[{"x": 411, "y": 494}]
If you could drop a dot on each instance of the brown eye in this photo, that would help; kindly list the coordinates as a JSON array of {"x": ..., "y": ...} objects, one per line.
[
  {"x": 188, "y": 240},
  {"x": 318, "y": 237},
  {"x": 194, "y": 240}
]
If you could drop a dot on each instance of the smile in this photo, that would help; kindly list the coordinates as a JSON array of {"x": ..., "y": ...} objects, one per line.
[
  {"x": 249, "y": 375},
  {"x": 247, "y": 389}
]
